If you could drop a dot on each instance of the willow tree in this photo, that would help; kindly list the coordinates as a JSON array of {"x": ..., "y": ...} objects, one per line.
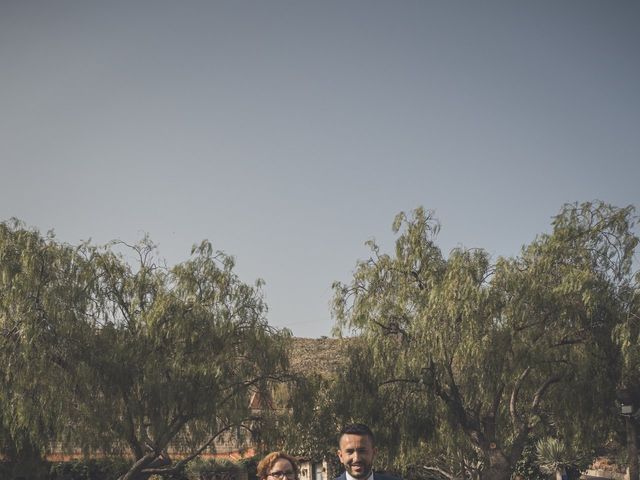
[
  {"x": 150, "y": 359},
  {"x": 627, "y": 336},
  {"x": 191, "y": 344},
  {"x": 508, "y": 349},
  {"x": 402, "y": 418},
  {"x": 43, "y": 294}
]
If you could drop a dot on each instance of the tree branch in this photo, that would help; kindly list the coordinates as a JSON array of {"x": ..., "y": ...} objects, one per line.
[
  {"x": 184, "y": 461},
  {"x": 440, "y": 471},
  {"x": 514, "y": 398},
  {"x": 542, "y": 390}
]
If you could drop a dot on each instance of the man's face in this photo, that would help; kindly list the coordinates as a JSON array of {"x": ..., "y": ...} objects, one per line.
[{"x": 356, "y": 453}]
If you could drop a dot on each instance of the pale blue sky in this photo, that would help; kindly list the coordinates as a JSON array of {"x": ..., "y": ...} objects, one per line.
[{"x": 290, "y": 132}]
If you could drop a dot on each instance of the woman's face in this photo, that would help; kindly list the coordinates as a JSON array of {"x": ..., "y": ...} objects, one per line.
[{"x": 281, "y": 470}]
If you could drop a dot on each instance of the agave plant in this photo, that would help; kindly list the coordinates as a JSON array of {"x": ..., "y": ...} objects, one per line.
[{"x": 554, "y": 458}]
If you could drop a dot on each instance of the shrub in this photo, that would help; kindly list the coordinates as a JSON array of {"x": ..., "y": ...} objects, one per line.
[
  {"x": 212, "y": 469},
  {"x": 527, "y": 466},
  {"x": 90, "y": 469},
  {"x": 250, "y": 464},
  {"x": 553, "y": 455}
]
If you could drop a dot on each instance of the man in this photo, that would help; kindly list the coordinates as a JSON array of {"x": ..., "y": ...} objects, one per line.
[{"x": 356, "y": 452}]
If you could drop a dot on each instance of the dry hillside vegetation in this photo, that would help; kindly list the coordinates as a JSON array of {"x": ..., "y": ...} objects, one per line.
[{"x": 323, "y": 356}]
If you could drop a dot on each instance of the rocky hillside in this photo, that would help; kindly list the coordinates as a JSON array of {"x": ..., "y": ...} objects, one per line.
[{"x": 318, "y": 355}]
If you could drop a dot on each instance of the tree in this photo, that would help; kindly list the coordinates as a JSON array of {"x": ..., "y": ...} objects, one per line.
[
  {"x": 627, "y": 336},
  {"x": 198, "y": 342},
  {"x": 149, "y": 357},
  {"x": 308, "y": 424},
  {"x": 510, "y": 349},
  {"x": 402, "y": 418},
  {"x": 42, "y": 289}
]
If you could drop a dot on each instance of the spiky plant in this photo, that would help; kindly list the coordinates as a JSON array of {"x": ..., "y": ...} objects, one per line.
[{"x": 553, "y": 455}]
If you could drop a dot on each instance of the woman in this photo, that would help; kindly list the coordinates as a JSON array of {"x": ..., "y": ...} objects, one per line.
[{"x": 277, "y": 466}]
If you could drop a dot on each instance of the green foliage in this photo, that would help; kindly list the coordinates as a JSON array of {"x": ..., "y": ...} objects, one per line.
[
  {"x": 552, "y": 455},
  {"x": 210, "y": 469},
  {"x": 90, "y": 469},
  {"x": 250, "y": 465},
  {"x": 527, "y": 466},
  {"x": 41, "y": 291},
  {"x": 489, "y": 353},
  {"x": 308, "y": 426},
  {"x": 109, "y": 348}
]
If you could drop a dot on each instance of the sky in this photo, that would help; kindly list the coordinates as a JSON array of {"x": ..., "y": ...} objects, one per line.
[{"x": 288, "y": 133}]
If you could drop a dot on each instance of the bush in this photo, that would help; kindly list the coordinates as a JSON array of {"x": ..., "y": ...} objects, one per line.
[
  {"x": 527, "y": 465},
  {"x": 91, "y": 469},
  {"x": 179, "y": 475},
  {"x": 212, "y": 469},
  {"x": 553, "y": 454},
  {"x": 250, "y": 464}
]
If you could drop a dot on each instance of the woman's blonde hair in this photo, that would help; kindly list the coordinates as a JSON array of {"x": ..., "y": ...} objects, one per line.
[{"x": 267, "y": 462}]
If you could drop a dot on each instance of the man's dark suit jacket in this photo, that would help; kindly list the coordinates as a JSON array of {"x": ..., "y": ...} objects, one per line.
[{"x": 376, "y": 476}]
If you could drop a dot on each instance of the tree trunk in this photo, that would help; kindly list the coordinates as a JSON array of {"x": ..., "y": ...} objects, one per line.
[
  {"x": 561, "y": 474},
  {"x": 499, "y": 467},
  {"x": 495, "y": 472},
  {"x": 137, "y": 467},
  {"x": 632, "y": 447},
  {"x": 29, "y": 463}
]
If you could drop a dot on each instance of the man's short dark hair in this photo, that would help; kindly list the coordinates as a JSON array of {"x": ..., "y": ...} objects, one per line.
[{"x": 357, "y": 429}]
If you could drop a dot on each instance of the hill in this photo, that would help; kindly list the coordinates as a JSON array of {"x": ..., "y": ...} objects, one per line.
[{"x": 323, "y": 356}]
